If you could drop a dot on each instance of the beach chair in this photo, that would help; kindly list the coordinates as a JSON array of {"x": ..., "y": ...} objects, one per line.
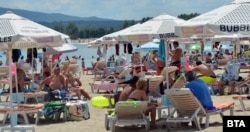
[
  {"x": 153, "y": 85},
  {"x": 105, "y": 84},
  {"x": 19, "y": 109},
  {"x": 180, "y": 82},
  {"x": 241, "y": 98},
  {"x": 189, "y": 109},
  {"x": 129, "y": 113},
  {"x": 22, "y": 109}
]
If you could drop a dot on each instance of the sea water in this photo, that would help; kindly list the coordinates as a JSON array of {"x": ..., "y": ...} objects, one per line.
[{"x": 90, "y": 54}]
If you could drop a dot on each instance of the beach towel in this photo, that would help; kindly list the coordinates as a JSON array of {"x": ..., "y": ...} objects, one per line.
[
  {"x": 51, "y": 108},
  {"x": 78, "y": 110}
]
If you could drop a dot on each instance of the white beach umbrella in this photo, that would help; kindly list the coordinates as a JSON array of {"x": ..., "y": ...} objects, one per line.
[
  {"x": 116, "y": 35},
  {"x": 65, "y": 48},
  {"x": 146, "y": 47},
  {"x": 18, "y": 32},
  {"x": 232, "y": 18},
  {"x": 160, "y": 27},
  {"x": 110, "y": 39}
]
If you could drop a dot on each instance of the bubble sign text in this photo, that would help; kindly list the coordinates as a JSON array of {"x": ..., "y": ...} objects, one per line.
[{"x": 231, "y": 123}]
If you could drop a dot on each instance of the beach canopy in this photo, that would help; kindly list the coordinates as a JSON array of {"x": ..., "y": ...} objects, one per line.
[
  {"x": 19, "y": 32},
  {"x": 232, "y": 18},
  {"x": 159, "y": 27},
  {"x": 110, "y": 39}
]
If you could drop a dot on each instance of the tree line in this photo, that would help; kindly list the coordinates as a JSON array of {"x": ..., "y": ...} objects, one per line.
[{"x": 76, "y": 32}]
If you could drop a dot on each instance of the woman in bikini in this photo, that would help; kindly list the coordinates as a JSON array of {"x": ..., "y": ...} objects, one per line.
[
  {"x": 74, "y": 85},
  {"x": 139, "y": 94}
]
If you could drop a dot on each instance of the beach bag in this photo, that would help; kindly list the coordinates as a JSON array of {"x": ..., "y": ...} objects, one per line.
[{"x": 78, "y": 110}]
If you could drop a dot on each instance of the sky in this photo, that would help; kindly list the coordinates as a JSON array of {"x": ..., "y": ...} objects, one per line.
[{"x": 116, "y": 9}]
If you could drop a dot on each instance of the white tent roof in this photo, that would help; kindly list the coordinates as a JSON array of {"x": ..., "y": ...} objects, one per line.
[
  {"x": 232, "y": 18},
  {"x": 159, "y": 27},
  {"x": 19, "y": 32}
]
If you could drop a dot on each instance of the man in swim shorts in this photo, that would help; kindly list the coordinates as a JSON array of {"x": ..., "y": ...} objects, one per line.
[{"x": 176, "y": 55}]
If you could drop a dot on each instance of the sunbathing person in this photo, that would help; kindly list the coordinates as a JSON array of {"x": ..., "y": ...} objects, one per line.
[
  {"x": 226, "y": 79},
  {"x": 75, "y": 85},
  {"x": 21, "y": 76},
  {"x": 45, "y": 69},
  {"x": 99, "y": 68},
  {"x": 128, "y": 89},
  {"x": 207, "y": 74},
  {"x": 139, "y": 94},
  {"x": 200, "y": 90},
  {"x": 55, "y": 83},
  {"x": 65, "y": 68}
]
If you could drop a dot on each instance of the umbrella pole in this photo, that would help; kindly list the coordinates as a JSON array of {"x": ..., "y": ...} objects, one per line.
[
  {"x": 9, "y": 52},
  {"x": 202, "y": 48},
  {"x": 166, "y": 61}
]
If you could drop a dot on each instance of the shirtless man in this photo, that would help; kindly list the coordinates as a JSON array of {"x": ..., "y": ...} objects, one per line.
[
  {"x": 207, "y": 74},
  {"x": 176, "y": 55},
  {"x": 54, "y": 82}
]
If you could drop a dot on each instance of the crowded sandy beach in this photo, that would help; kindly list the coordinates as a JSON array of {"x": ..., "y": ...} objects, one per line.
[
  {"x": 96, "y": 121},
  {"x": 163, "y": 73}
]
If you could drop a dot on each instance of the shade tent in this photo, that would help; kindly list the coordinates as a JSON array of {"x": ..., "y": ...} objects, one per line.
[
  {"x": 110, "y": 39},
  {"x": 65, "y": 48},
  {"x": 232, "y": 18},
  {"x": 18, "y": 32},
  {"x": 159, "y": 27},
  {"x": 117, "y": 35}
]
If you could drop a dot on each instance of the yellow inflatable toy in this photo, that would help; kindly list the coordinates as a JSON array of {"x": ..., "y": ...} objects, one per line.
[{"x": 100, "y": 101}]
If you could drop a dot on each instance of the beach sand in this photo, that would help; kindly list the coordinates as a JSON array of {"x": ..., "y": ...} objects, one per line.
[{"x": 96, "y": 121}]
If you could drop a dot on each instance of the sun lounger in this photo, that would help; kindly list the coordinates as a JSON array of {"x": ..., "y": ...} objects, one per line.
[
  {"x": 22, "y": 109},
  {"x": 180, "y": 82},
  {"x": 128, "y": 113},
  {"x": 104, "y": 84},
  {"x": 189, "y": 109},
  {"x": 241, "y": 98},
  {"x": 153, "y": 85}
]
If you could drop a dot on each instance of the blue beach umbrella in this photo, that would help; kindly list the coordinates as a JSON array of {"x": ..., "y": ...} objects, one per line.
[
  {"x": 162, "y": 51},
  {"x": 148, "y": 47}
]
